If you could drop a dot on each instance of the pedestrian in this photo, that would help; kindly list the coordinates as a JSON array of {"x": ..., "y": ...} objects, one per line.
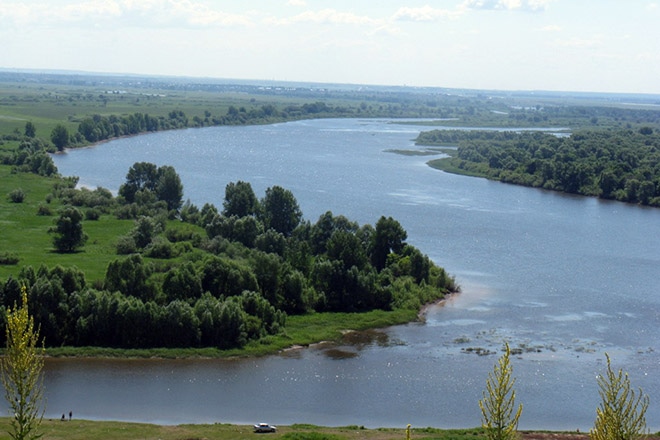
[
  {"x": 70, "y": 415},
  {"x": 63, "y": 417}
]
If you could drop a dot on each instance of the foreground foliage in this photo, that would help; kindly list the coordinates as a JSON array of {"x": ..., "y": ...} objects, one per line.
[
  {"x": 621, "y": 414},
  {"x": 499, "y": 413},
  {"x": 22, "y": 376}
]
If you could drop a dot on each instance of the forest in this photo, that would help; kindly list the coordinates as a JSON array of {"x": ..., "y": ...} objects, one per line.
[
  {"x": 618, "y": 164},
  {"x": 186, "y": 276}
]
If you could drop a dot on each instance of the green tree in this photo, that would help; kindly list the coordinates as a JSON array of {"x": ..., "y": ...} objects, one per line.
[
  {"x": 280, "y": 210},
  {"x": 30, "y": 129},
  {"x": 388, "y": 237},
  {"x": 60, "y": 137},
  {"x": 129, "y": 276},
  {"x": 182, "y": 283},
  {"x": 68, "y": 230},
  {"x": 621, "y": 414},
  {"x": 145, "y": 230},
  {"x": 169, "y": 188},
  {"x": 141, "y": 176},
  {"x": 498, "y": 403},
  {"x": 240, "y": 200},
  {"x": 22, "y": 375}
]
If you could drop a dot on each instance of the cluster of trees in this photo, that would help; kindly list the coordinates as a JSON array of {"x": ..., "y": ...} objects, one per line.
[
  {"x": 615, "y": 164},
  {"x": 98, "y": 128},
  {"x": 190, "y": 277},
  {"x": 68, "y": 312},
  {"x": 31, "y": 156}
]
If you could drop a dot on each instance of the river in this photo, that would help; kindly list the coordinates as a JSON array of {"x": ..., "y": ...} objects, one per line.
[{"x": 565, "y": 278}]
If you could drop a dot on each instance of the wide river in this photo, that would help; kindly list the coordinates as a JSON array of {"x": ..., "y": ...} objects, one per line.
[{"x": 566, "y": 278}]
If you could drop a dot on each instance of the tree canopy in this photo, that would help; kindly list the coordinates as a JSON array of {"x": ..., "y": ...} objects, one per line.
[
  {"x": 68, "y": 234},
  {"x": 612, "y": 164}
]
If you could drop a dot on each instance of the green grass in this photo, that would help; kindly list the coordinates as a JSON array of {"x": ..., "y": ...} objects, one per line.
[
  {"x": 54, "y": 429},
  {"x": 25, "y": 233},
  {"x": 47, "y": 105}
]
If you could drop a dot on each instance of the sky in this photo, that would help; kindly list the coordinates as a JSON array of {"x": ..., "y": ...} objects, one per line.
[{"x": 562, "y": 45}]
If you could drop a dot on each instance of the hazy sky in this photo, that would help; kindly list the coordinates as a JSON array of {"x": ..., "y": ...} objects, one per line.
[{"x": 573, "y": 45}]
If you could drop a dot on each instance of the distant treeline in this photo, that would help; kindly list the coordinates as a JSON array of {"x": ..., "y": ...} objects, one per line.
[
  {"x": 613, "y": 164},
  {"x": 191, "y": 277}
]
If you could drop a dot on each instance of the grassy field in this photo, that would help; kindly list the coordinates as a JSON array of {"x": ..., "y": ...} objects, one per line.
[
  {"x": 92, "y": 430},
  {"x": 25, "y": 233}
]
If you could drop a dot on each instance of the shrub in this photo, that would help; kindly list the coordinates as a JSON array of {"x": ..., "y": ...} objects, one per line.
[
  {"x": 126, "y": 245},
  {"x": 92, "y": 214},
  {"x": 17, "y": 195},
  {"x": 44, "y": 210},
  {"x": 160, "y": 248},
  {"x": 8, "y": 258}
]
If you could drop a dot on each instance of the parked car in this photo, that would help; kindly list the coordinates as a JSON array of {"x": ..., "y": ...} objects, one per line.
[{"x": 264, "y": 427}]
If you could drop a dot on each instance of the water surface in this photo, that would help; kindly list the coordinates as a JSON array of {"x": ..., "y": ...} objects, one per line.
[{"x": 565, "y": 278}]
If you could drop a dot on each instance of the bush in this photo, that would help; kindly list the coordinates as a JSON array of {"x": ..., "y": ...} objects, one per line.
[
  {"x": 126, "y": 245},
  {"x": 92, "y": 214},
  {"x": 17, "y": 195},
  {"x": 44, "y": 210},
  {"x": 8, "y": 258},
  {"x": 160, "y": 248}
]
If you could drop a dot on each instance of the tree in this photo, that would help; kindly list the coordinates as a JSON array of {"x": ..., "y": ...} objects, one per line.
[
  {"x": 388, "y": 237},
  {"x": 498, "y": 403},
  {"x": 22, "y": 375},
  {"x": 68, "y": 230},
  {"x": 621, "y": 415},
  {"x": 141, "y": 176},
  {"x": 60, "y": 137},
  {"x": 128, "y": 276},
  {"x": 30, "y": 129},
  {"x": 146, "y": 228},
  {"x": 240, "y": 200},
  {"x": 280, "y": 210},
  {"x": 169, "y": 188}
]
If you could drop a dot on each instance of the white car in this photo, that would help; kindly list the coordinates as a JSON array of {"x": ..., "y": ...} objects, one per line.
[{"x": 264, "y": 427}]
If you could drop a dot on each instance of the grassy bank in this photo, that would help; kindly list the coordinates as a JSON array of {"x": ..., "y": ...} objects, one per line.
[
  {"x": 301, "y": 331},
  {"x": 92, "y": 430}
]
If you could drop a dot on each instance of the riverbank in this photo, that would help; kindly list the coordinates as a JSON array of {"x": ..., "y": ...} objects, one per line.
[
  {"x": 301, "y": 331},
  {"x": 93, "y": 430}
]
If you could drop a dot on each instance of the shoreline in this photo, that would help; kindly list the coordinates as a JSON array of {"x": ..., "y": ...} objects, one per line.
[{"x": 79, "y": 429}]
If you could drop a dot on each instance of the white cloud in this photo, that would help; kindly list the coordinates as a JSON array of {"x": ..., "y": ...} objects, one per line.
[
  {"x": 424, "y": 13},
  {"x": 326, "y": 16},
  {"x": 120, "y": 13},
  {"x": 580, "y": 42},
  {"x": 296, "y": 3},
  {"x": 551, "y": 28},
  {"x": 508, "y": 5}
]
